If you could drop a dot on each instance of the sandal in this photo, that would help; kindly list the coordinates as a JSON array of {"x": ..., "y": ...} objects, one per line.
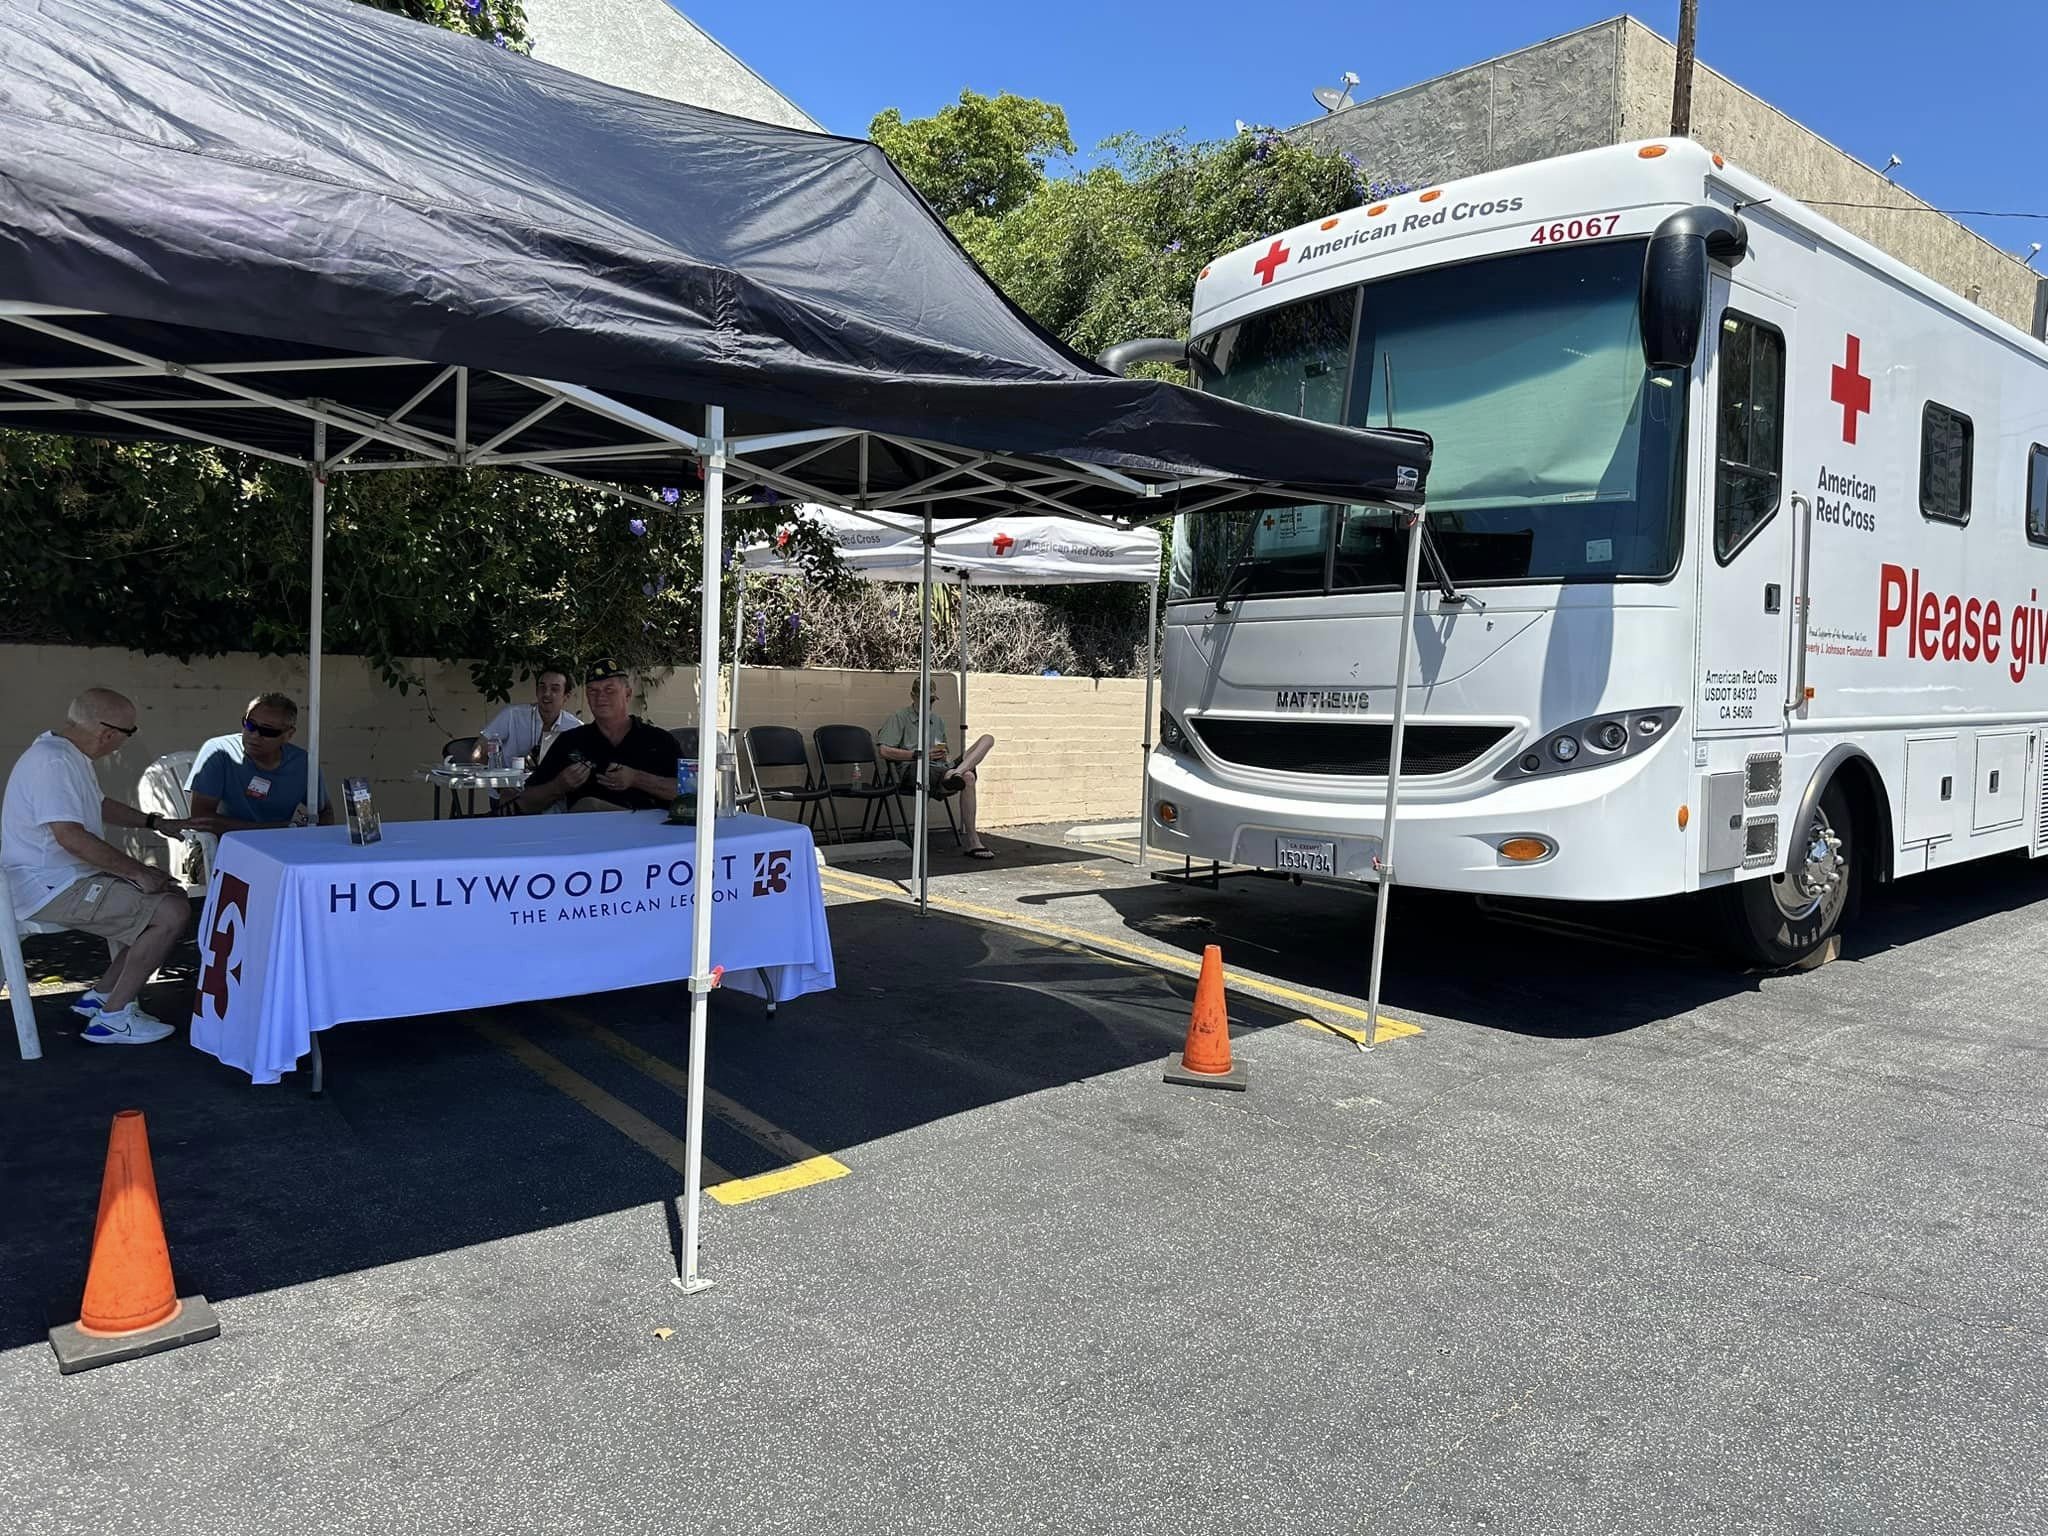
[{"x": 981, "y": 853}]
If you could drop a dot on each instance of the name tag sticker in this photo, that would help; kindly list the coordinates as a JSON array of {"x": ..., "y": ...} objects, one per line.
[
  {"x": 92, "y": 893},
  {"x": 258, "y": 787}
]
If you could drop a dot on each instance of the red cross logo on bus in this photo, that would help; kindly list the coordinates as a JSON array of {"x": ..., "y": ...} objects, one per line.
[
  {"x": 1002, "y": 543},
  {"x": 1851, "y": 388},
  {"x": 1270, "y": 263}
]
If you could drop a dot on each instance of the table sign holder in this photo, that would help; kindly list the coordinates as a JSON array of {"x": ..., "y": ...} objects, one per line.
[{"x": 363, "y": 824}]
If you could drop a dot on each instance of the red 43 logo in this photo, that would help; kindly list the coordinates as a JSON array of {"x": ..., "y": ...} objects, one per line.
[{"x": 771, "y": 872}]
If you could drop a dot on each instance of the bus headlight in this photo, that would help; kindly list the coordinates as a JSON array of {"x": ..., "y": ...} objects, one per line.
[{"x": 1591, "y": 742}]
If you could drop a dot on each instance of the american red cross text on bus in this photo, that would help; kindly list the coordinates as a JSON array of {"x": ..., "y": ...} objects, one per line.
[
  {"x": 1851, "y": 388},
  {"x": 1270, "y": 263}
]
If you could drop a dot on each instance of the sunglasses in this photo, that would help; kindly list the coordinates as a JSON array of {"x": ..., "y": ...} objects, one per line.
[
  {"x": 125, "y": 730},
  {"x": 267, "y": 732}
]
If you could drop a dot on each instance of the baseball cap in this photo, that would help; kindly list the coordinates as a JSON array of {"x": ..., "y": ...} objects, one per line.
[{"x": 603, "y": 668}]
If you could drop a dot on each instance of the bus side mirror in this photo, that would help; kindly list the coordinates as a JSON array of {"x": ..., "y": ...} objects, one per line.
[{"x": 1674, "y": 295}]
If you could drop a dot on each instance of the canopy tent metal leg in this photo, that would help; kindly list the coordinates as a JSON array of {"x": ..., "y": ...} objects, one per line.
[
  {"x": 921, "y": 766},
  {"x": 701, "y": 981},
  {"x": 315, "y": 638},
  {"x": 1145, "y": 745},
  {"x": 962, "y": 619},
  {"x": 732, "y": 701},
  {"x": 1383, "y": 895}
]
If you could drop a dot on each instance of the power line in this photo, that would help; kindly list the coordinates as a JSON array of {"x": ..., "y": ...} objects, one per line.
[{"x": 1947, "y": 213}]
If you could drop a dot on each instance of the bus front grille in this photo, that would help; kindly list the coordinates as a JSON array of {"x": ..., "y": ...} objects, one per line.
[{"x": 1344, "y": 749}]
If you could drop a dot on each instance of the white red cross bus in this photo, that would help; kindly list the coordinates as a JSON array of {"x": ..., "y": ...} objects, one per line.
[{"x": 1739, "y": 555}]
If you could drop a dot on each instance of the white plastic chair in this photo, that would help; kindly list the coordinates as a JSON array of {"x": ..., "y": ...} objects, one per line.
[
  {"x": 12, "y": 932},
  {"x": 162, "y": 790}
]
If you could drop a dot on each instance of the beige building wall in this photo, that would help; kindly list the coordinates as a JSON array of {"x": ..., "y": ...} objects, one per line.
[
  {"x": 1765, "y": 142},
  {"x": 1068, "y": 747}
]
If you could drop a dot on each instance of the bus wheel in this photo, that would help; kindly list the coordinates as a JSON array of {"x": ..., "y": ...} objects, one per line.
[{"x": 1783, "y": 919}]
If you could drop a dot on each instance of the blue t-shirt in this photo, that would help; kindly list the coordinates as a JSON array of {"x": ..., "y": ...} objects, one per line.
[{"x": 247, "y": 792}]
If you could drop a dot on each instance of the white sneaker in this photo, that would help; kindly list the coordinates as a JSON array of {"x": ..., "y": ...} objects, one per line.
[
  {"x": 127, "y": 1026},
  {"x": 90, "y": 1005}
]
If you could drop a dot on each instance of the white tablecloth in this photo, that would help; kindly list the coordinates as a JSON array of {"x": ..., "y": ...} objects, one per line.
[{"x": 302, "y": 930}]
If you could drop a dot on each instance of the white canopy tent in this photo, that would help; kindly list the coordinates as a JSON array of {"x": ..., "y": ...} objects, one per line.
[{"x": 968, "y": 552}]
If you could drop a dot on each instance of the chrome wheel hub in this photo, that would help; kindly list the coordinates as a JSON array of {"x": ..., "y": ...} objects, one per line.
[{"x": 1818, "y": 875}]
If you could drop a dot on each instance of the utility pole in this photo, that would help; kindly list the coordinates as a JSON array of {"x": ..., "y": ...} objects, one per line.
[{"x": 1681, "y": 84}]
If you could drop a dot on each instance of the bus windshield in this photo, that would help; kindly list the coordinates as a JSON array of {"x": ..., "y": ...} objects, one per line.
[{"x": 1558, "y": 453}]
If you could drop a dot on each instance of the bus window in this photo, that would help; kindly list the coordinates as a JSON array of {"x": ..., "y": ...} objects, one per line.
[
  {"x": 1749, "y": 443},
  {"x": 1558, "y": 453},
  {"x": 1295, "y": 359},
  {"x": 2037, "y": 494},
  {"x": 1946, "y": 438}
]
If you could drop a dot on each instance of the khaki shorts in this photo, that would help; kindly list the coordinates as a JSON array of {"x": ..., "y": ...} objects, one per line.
[{"x": 118, "y": 913}]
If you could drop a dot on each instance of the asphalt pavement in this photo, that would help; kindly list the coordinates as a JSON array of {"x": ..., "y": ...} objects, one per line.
[{"x": 1603, "y": 1238}]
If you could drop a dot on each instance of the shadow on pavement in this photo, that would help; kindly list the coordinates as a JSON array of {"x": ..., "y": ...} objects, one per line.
[
  {"x": 430, "y": 1137},
  {"x": 1553, "y": 970}
]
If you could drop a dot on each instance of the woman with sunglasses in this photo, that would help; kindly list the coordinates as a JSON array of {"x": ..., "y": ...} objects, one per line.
[{"x": 256, "y": 780}]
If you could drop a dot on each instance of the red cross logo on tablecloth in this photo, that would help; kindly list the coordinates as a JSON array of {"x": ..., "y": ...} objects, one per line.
[
  {"x": 1271, "y": 262},
  {"x": 1851, "y": 388},
  {"x": 1002, "y": 543}
]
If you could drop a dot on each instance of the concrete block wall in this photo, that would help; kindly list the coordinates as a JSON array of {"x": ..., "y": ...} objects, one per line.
[
  {"x": 1798, "y": 162},
  {"x": 1067, "y": 747}
]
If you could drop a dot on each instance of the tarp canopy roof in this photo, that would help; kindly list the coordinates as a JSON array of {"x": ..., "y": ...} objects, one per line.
[
  {"x": 983, "y": 552},
  {"x": 227, "y": 222}
]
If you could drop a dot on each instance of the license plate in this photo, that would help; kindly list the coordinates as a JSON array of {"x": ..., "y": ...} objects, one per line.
[{"x": 1307, "y": 856}]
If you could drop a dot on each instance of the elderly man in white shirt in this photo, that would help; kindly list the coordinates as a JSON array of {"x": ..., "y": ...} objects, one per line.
[
  {"x": 528, "y": 730},
  {"x": 61, "y": 870}
]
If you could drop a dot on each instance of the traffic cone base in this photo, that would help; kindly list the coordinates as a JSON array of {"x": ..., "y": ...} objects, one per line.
[
  {"x": 1206, "y": 1063},
  {"x": 77, "y": 1350},
  {"x": 131, "y": 1306}
]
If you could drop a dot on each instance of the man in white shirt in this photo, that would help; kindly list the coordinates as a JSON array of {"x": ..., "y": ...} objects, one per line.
[
  {"x": 529, "y": 730},
  {"x": 61, "y": 870}
]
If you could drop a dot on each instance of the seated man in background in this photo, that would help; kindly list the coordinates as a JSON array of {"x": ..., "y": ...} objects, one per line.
[
  {"x": 529, "y": 730},
  {"x": 255, "y": 780},
  {"x": 62, "y": 871},
  {"x": 897, "y": 743},
  {"x": 618, "y": 762}
]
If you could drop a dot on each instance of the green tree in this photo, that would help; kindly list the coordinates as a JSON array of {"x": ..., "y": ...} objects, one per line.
[
  {"x": 982, "y": 155},
  {"x": 498, "y": 21}
]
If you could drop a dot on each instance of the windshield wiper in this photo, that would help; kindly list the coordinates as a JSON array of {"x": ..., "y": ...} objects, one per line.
[{"x": 1240, "y": 564}]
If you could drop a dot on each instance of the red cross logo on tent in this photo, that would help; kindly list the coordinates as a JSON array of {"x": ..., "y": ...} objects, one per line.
[
  {"x": 1851, "y": 388},
  {"x": 1002, "y": 543},
  {"x": 1275, "y": 257}
]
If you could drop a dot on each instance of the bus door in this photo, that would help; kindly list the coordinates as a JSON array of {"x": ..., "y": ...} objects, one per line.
[{"x": 1746, "y": 535}]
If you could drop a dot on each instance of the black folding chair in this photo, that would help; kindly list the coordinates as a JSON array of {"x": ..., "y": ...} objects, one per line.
[
  {"x": 458, "y": 750},
  {"x": 850, "y": 749},
  {"x": 781, "y": 748}
]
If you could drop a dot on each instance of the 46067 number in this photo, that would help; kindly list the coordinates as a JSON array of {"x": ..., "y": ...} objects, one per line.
[{"x": 1576, "y": 229}]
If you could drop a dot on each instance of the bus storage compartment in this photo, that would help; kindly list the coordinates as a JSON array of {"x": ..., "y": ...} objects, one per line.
[
  {"x": 1724, "y": 842},
  {"x": 1930, "y": 789},
  {"x": 2000, "y": 797}
]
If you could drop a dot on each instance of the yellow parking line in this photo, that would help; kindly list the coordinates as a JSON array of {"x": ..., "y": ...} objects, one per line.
[
  {"x": 778, "y": 1181},
  {"x": 807, "y": 1165},
  {"x": 619, "y": 1116},
  {"x": 864, "y": 885}
]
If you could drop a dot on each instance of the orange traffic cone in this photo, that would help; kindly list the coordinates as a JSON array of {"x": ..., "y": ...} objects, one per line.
[
  {"x": 131, "y": 1306},
  {"x": 1206, "y": 1061}
]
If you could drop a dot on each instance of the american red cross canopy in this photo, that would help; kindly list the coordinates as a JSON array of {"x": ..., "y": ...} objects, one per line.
[{"x": 322, "y": 235}]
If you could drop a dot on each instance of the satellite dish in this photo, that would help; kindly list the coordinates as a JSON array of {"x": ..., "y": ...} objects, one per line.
[{"x": 1334, "y": 99}]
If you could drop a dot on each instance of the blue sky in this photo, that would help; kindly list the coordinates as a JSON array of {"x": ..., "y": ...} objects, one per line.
[{"x": 1953, "y": 89}]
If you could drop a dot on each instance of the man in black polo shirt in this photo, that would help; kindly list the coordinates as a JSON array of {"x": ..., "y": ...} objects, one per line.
[{"x": 618, "y": 762}]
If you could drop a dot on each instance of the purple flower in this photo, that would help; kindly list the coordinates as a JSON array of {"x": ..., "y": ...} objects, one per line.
[
  {"x": 671, "y": 495},
  {"x": 795, "y": 623},
  {"x": 639, "y": 527},
  {"x": 472, "y": 6},
  {"x": 647, "y": 589},
  {"x": 1173, "y": 247},
  {"x": 761, "y": 634},
  {"x": 500, "y": 39}
]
